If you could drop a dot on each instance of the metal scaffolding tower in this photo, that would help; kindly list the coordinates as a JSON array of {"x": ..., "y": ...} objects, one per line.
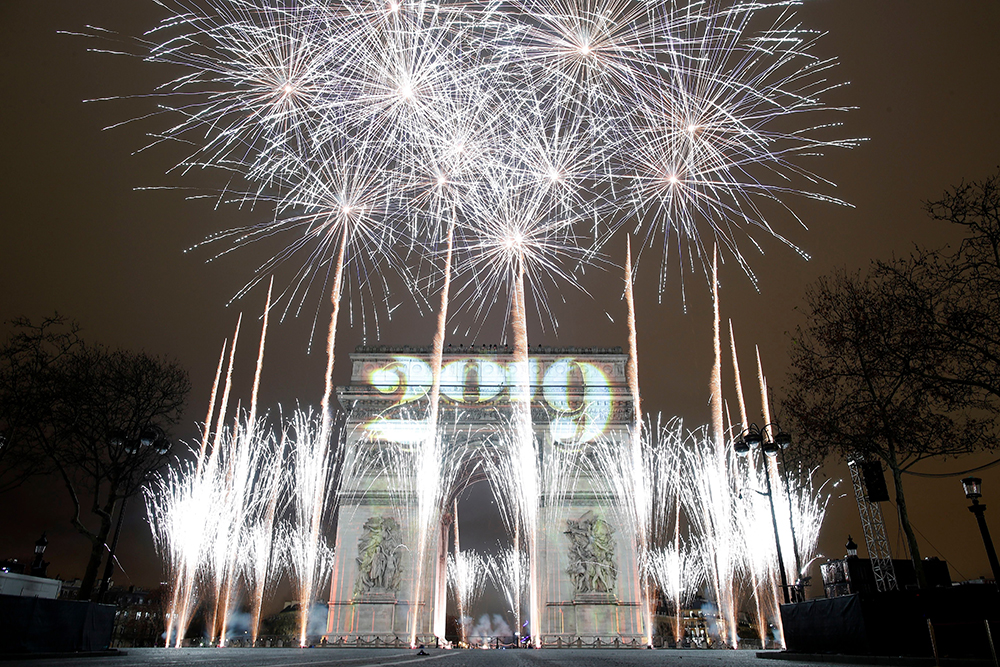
[{"x": 874, "y": 527}]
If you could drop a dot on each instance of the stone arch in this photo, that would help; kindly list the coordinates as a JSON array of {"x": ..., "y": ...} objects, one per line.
[{"x": 577, "y": 395}]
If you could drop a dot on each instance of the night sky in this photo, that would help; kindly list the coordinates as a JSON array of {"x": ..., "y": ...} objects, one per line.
[{"x": 80, "y": 239}]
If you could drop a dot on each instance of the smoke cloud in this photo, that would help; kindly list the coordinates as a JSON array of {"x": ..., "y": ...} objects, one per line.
[{"x": 487, "y": 628}]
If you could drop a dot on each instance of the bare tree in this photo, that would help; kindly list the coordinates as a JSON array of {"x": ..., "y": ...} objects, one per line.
[
  {"x": 853, "y": 388},
  {"x": 30, "y": 360},
  {"x": 98, "y": 416},
  {"x": 953, "y": 295}
]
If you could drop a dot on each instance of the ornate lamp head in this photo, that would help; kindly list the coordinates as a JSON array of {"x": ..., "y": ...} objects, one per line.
[{"x": 973, "y": 487}]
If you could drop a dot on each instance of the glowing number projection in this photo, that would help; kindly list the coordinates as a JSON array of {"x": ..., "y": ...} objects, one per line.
[
  {"x": 577, "y": 394},
  {"x": 580, "y": 416},
  {"x": 470, "y": 381},
  {"x": 408, "y": 378}
]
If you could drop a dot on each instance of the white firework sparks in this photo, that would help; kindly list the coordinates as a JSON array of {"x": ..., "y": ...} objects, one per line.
[
  {"x": 675, "y": 119},
  {"x": 467, "y": 572}
]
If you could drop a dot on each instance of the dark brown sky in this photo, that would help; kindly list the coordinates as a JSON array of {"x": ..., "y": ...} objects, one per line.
[{"x": 78, "y": 238}]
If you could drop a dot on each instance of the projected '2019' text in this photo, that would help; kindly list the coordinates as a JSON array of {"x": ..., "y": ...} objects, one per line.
[{"x": 576, "y": 393}]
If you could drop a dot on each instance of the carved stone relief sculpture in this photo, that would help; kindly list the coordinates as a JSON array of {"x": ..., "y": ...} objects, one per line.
[
  {"x": 592, "y": 567},
  {"x": 379, "y": 553}
]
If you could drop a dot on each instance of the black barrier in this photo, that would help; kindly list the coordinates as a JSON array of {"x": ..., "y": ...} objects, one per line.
[
  {"x": 826, "y": 625},
  {"x": 39, "y": 625},
  {"x": 895, "y": 623}
]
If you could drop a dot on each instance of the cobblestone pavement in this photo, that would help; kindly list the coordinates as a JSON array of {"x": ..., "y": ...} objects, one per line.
[{"x": 236, "y": 657}]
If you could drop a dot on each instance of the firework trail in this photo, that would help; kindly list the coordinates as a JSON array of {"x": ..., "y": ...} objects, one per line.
[
  {"x": 516, "y": 236},
  {"x": 182, "y": 578},
  {"x": 211, "y": 407},
  {"x": 635, "y": 442},
  {"x": 204, "y": 516},
  {"x": 217, "y": 544},
  {"x": 636, "y": 496},
  {"x": 715, "y": 383},
  {"x": 213, "y": 456},
  {"x": 430, "y": 459},
  {"x": 250, "y": 442},
  {"x": 632, "y": 366},
  {"x": 260, "y": 356},
  {"x": 717, "y": 509},
  {"x": 177, "y": 514},
  {"x": 744, "y": 423},
  {"x": 313, "y": 466},
  {"x": 508, "y": 570},
  {"x": 441, "y": 164},
  {"x": 527, "y": 452},
  {"x": 232, "y": 513},
  {"x": 764, "y": 597},
  {"x": 332, "y": 337},
  {"x": 467, "y": 572},
  {"x": 263, "y": 561}
]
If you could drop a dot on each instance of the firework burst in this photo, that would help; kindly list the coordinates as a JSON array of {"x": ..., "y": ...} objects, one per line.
[{"x": 677, "y": 119}]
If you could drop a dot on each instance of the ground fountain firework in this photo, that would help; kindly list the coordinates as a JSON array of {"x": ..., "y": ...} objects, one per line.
[
  {"x": 262, "y": 484},
  {"x": 467, "y": 573},
  {"x": 508, "y": 570}
]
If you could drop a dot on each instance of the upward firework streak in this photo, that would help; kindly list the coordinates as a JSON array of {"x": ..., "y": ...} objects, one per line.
[{"x": 717, "y": 512}]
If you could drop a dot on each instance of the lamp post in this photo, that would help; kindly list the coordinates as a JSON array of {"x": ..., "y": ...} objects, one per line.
[
  {"x": 150, "y": 437},
  {"x": 973, "y": 491},
  {"x": 755, "y": 438}
]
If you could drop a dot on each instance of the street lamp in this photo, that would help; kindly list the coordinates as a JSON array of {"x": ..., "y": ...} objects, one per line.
[
  {"x": 753, "y": 439},
  {"x": 852, "y": 548},
  {"x": 149, "y": 438},
  {"x": 38, "y": 566},
  {"x": 973, "y": 491}
]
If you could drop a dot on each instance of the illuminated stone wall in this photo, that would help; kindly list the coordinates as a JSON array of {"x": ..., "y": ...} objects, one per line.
[{"x": 579, "y": 396}]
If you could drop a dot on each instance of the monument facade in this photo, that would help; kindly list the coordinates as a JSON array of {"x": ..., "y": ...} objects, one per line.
[{"x": 586, "y": 567}]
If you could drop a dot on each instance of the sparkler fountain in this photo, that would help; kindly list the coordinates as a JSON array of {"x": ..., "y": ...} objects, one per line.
[
  {"x": 676, "y": 469},
  {"x": 508, "y": 569},
  {"x": 467, "y": 573}
]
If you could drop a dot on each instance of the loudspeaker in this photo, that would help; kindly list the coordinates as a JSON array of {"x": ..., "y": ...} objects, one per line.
[{"x": 871, "y": 472}]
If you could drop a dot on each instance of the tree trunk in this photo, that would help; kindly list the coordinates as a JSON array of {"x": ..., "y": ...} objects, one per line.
[
  {"x": 904, "y": 522},
  {"x": 96, "y": 556}
]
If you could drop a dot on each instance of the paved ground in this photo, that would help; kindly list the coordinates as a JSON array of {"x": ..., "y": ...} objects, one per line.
[{"x": 237, "y": 657}]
